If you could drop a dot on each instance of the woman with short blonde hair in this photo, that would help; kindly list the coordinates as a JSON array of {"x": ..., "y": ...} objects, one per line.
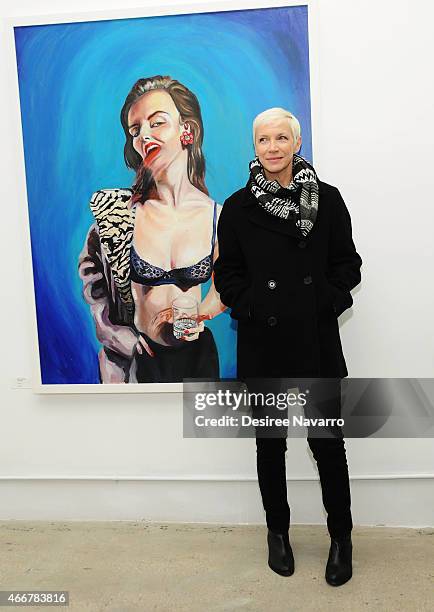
[{"x": 287, "y": 264}]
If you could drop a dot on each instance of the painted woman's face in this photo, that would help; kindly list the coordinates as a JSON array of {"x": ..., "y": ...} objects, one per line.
[{"x": 154, "y": 124}]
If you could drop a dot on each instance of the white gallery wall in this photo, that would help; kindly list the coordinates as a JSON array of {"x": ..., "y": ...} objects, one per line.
[{"x": 123, "y": 456}]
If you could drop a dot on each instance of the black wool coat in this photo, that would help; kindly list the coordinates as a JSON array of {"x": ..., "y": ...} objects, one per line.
[{"x": 286, "y": 291}]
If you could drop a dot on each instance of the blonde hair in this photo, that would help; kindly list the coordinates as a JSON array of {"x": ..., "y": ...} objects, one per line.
[{"x": 278, "y": 113}]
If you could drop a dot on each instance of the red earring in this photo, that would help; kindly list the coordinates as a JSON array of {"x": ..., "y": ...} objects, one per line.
[{"x": 186, "y": 138}]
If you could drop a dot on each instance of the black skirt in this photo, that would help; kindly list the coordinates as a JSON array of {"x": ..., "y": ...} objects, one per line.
[{"x": 194, "y": 359}]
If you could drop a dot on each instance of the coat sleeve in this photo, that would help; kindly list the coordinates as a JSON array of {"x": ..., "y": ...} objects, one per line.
[
  {"x": 119, "y": 338},
  {"x": 231, "y": 278},
  {"x": 343, "y": 272}
]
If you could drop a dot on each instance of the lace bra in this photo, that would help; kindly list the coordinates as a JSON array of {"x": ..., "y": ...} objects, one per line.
[{"x": 145, "y": 273}]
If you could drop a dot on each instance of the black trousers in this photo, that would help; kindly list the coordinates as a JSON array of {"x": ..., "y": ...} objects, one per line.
[
  {"x": 330, "y": 456},
  {"x": 195, "y": 359}
]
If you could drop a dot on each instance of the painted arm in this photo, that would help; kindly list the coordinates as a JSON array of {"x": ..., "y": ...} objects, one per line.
[{"x": 119, "y": 338}]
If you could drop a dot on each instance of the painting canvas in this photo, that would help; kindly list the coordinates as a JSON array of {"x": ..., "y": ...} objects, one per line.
[{"x": 135, "y": 131}]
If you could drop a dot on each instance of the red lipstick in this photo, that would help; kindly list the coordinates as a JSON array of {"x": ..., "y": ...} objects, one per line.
[{"x": 151, "y": 151}]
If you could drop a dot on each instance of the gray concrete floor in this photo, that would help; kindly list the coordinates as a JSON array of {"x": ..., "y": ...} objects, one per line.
[{"x": 139, "y": 566}]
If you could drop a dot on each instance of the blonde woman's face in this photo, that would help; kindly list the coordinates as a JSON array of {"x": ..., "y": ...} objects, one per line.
[
  {"x": 154, "y": 124},
  {"x": 275, "y": 145}
]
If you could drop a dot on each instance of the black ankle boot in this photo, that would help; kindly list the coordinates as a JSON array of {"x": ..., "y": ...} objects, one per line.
[
  {"x": 280, "y": 557},
  {"x": 339, "y": 567}
]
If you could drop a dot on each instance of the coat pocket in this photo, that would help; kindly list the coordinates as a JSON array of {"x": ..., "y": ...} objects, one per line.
[{"x": 341, "y": 299}]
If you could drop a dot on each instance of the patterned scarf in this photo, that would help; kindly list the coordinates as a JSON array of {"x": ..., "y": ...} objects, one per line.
[{"x": 285, "y": 202}]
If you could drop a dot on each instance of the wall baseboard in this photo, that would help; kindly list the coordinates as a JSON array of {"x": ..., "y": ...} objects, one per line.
[
  {"x": 210, "y": 478},
  {"x": 404, "y": 501}
]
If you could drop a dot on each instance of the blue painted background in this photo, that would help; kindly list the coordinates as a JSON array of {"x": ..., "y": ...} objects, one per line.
[{"x": 73, "y": 80}]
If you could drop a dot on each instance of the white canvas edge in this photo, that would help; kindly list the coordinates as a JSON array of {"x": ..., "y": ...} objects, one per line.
[
  {"x": 11, "y": 67},
  {"x": 128, "y": 13}
]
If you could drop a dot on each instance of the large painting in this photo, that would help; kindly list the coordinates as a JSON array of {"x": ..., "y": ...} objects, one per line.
[{"x": 135, "y": 131}]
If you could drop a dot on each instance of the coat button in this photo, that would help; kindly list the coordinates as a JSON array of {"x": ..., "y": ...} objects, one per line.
[
  {"x": 307, "y": 280},
  {"x": 272, "y": 321},
  {"x": 272, "y": 284},
  {"x": 302, "y": 244}
]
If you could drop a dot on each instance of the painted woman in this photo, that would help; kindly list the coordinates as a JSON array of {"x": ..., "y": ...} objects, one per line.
[{"x": 154, "y": 243}]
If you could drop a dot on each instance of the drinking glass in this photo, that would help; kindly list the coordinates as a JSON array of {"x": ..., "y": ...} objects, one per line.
[{"x": 185, "y": 311}]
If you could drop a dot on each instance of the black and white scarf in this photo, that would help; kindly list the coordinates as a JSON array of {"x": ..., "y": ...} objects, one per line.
[{"x": 298, "y": 202}]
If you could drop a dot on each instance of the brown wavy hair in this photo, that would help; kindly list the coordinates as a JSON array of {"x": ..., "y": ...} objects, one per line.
[{"x": 188, "y": 107}]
